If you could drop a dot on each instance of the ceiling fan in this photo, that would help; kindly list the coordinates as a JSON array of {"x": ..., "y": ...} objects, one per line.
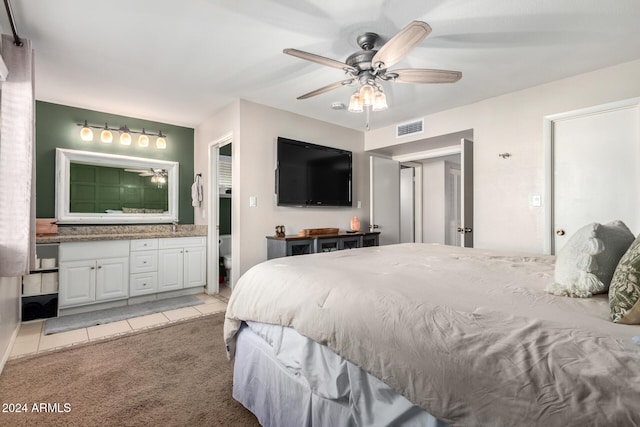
[
  {"x": 370, "y": 66},
  {"x": 148, "y": 172}
]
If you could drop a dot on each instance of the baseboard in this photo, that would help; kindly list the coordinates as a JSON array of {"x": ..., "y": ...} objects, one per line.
[{"x": 7, "y": 353}]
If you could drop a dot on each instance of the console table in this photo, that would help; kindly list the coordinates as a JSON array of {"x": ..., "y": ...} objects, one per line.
[{"x": 300, "y": 245}]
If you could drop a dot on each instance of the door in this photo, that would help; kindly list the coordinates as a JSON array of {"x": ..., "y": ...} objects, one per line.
[
  {"x": 112, "y": 278},
  {"x": 77, "y": 283},
  {"x": 594, "y": 173},
  {"x": 452, "y": 195},
  {"x": 385, "y": 199},
  {"x": 194, "y": 267},
  {"x": 170, "y": 269},
  {"x": 466, "y": 193}
]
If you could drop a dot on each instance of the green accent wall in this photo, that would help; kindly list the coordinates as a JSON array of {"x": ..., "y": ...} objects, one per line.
[{"x": 57, "y": 127}]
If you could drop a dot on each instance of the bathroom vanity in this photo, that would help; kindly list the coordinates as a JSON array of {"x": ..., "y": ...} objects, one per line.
[{"x": 129, "y": 265}]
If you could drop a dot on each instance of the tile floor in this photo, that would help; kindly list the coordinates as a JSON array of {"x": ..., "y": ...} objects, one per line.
[{"x": 30, "y": 339}]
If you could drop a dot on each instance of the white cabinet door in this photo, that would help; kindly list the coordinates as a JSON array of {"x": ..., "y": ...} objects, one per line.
[
  {"x": 170, "y": 269},
  {"x": 77, "y": 283},
  {"x": 195, "y": 269},
  {"x": 112, "y": 278}
]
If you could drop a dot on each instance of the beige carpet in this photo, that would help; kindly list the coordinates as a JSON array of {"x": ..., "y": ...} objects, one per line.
[{"x": 176, "y": 375}]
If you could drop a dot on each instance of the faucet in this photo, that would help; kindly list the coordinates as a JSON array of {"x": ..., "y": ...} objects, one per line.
[{"x": 174, "y": 226}]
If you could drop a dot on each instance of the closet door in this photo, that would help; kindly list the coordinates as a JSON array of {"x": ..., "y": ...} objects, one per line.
[{"x": 596, "y": 178}]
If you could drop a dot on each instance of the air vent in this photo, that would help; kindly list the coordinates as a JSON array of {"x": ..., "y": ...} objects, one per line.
[{"x": 410, "y": 128}]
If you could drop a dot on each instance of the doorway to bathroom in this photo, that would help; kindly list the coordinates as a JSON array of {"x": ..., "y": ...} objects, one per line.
[{"x": 219, "y": 225}]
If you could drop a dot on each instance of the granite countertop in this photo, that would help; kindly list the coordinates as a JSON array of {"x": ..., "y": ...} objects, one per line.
[{"x": 123, "y": 232}]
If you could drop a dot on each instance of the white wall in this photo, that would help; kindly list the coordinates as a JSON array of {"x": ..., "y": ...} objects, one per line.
[
  {"x": 514, "y": 123},
  {"x": 256, "y": 129},
  {"x": 10, "y": 289}
]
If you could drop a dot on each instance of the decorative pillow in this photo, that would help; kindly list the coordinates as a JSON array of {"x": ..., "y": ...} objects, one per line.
[
  {"x": 624, "y": 292},
  {"x": 133, "y": 210},
  {"x": 153, "y": 210},
  {"x": 585, "y": 264}
]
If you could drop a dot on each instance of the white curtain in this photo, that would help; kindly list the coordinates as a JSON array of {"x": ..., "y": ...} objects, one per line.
[{"x": 17, "y": 145}]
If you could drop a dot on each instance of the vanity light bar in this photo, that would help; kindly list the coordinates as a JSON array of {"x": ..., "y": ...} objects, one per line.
[{"x": 86, "y": 134}]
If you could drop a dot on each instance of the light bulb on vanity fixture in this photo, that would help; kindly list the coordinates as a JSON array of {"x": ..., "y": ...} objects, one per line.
[
  {"x": 143, "y": 139},
  {"x": 106, "y": 135},
  {"x": 161, "y": 143},
  {"x": 86, "y": 134},
  {"x": 125, "y": 136}
]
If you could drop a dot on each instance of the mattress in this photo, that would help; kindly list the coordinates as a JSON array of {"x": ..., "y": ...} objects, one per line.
[{"x": 286, "y": 379}]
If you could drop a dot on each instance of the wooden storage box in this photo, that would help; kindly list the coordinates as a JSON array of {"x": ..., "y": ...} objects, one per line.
[{"x": 317, "y": 231}]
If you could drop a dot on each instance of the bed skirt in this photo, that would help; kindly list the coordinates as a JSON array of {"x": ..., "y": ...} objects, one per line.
[{"x": 286, "y": 379}]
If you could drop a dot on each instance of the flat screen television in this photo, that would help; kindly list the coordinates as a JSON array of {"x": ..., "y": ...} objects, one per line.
[{"x": 312, "y": 175}]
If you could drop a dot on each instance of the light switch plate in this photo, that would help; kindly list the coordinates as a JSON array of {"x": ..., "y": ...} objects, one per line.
[
  {"x": 536, "y": 200},
  {"x": 253, "y": 201}
]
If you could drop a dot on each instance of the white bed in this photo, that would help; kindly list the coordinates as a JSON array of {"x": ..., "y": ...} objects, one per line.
[{"x": 468, "y": 336}]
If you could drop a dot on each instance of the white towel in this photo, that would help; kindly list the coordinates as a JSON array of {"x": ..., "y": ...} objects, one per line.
[{"x": 196, "y": 192}]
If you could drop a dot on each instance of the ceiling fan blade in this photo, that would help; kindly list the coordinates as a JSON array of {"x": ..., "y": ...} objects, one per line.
[
  {"x": 319, "y": 59},
  {"x": 400, "y": 44},
  {"x": 419, "y": 75},
  {"x": 326, "y": 88}
]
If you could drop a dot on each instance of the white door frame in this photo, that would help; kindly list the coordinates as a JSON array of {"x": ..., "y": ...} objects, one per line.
[
  {"x": 213, "y": 224},
  {"x": 548, "y": 123}
]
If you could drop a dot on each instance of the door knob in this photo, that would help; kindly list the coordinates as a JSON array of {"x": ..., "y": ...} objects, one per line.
[
  {"x": 464, "y": 230},
  {"x": 373, "y": 226},
  {"x": 560, "y": 232}
]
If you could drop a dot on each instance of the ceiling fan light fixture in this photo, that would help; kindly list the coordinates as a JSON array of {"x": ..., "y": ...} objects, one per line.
[
  {"x": 367, "y": 94},
  {"x": 355, "y": 105},
  {"x": 380, "y": 101}
]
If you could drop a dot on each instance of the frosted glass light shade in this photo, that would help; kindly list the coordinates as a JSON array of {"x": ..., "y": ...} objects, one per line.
[
  {"x": 125, "y": 138},
  {"x": 380, "y": 101},
  {"x": 355, "y": 106},
  {"x": 367, "y": 94},
  {"x": 86, "y": 134},
  {"x": 106, "y": 136},
  {"x": 161, "y": 144},
  {"x": 143, "y": 140}
]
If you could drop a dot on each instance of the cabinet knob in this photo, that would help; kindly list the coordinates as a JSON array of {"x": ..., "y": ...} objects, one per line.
[
  {"x": 93, "y": 268},
  {"x": 99, "y": 266},
  {"x": 144, "y": 262}
]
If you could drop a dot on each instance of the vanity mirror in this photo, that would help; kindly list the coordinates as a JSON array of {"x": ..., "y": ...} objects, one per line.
[{"x": 100, "y": 188}]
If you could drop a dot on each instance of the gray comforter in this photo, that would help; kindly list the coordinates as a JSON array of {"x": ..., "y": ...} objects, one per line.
[{"x": 468, "y": 335}]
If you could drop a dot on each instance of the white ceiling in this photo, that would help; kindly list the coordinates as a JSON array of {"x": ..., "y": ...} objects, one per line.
[{"x": 179, "y": 61}]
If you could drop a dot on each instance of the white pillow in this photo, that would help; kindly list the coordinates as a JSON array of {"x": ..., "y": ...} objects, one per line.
[{"x": 585, "y": 264}]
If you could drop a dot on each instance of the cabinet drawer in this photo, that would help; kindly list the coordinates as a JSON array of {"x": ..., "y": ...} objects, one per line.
[
  {"x": 144, "y": 244},
  {"x": 143, "y": 284},
  {"x": 182, "y": 242},
  {"x": 143, "y": 261},
  {"x": 74, "y": 251}
]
